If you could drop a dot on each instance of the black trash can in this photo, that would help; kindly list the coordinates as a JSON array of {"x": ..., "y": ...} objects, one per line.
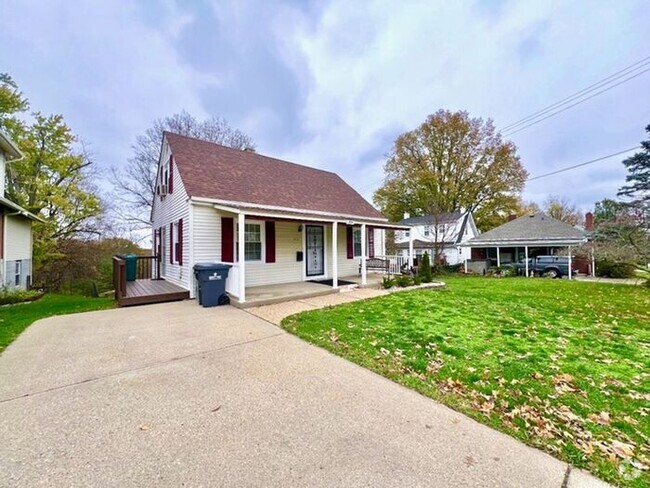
[{"x": 212, "y": 283}]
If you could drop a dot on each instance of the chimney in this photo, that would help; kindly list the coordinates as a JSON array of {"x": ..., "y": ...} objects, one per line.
[
  {"x": 589, "y": 221},
  {"x": 407, "y": 215},
  {"x": 512, "y": 217}
]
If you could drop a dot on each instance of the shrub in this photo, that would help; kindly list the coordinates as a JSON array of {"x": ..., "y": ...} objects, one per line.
[
  {"x": 417, "y": 280},
  {"x": 612, "y": 269},
  {"x": 425, "y": 272},
  {"x": 9, "y": 296},
  {"x": 387, "y": 282},
  {"x": 403, "y": 281}
]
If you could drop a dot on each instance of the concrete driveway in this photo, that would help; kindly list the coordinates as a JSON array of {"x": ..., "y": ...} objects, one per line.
[{"x": 175, "y": 394}]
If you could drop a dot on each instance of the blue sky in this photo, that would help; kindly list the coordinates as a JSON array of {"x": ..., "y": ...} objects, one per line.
[{"x": 332, "y": 83}]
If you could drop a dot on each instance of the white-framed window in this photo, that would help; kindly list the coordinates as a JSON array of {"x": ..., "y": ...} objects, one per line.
[
  {"x": 19, "y": 272},
  {"x": 407, "y": 234},
  {"x": 253, "y": 241},
  {"x": 356, "y": 241},
  {"x": 442, "y": 228},
  {"x": 174, "y": 249},
  {"x": 427, "y": 230}
]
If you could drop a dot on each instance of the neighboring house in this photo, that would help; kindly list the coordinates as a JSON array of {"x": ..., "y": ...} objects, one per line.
[
  {"x": 446, "y": 232},
  {"x": 273, "y": 221},
  {"x": 525, "y": 237},
  {"x": 15, "y": 228}
]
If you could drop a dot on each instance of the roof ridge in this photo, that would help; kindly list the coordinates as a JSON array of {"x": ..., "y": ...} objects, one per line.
[{"x": 255, "y": 153}]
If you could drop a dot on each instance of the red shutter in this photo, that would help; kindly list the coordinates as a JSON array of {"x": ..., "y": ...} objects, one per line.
[
  {"x": 171, "y": 243},
  {"x": 227, "y": 239},
  {"x": 350, "y": 241},
  {"x": 270, "y": 241},
  {"x": 179, "y": 254},
  {"x": 170, "y": 184},
  {"x": 371, "y": 242}
]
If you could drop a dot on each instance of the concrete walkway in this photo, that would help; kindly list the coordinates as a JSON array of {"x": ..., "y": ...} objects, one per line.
[
  {"x": 276, "y": 312},
  {"x": 175, "y": 394}
]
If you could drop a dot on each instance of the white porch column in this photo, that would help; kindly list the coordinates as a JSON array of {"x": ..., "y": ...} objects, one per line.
[
  {"x": 335, "y": 261},
  {"x": 526, "y": 251},
  {"x": 498, "y": 257},
  {"x": 465, "y": 260},
  {"x": 593, "y": 264},
  {"x": 570, "y": 263},
  {"x": 410, "y": 249},
  {"x": 242, "y": 256},
  {"x": 364, "y": 278}
]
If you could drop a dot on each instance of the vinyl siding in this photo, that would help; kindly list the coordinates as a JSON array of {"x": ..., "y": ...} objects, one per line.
[
  {"x": 289, "y": 240},
  {"x": 18, "y": 238},
  {"x": 2, "y": 174},
  {"x": 172, "y": 208}
]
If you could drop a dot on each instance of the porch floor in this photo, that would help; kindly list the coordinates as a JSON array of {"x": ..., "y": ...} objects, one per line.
[
  {"x": 269, "y": 294},
  {"x": 140, "y": 292}
]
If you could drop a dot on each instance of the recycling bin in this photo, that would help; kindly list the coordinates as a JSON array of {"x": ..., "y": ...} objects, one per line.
[
  {"x": 131, "y": 267},
  {"x": 211, "y": 278}
]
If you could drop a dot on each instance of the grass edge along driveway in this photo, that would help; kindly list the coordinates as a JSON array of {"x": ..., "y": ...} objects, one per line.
[
  {"x": 563, "y": 366},
  {"x": 14, "y": 319}
]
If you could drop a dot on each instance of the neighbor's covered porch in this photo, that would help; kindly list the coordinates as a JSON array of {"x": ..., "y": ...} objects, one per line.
[
  {"x": 489, "y": 254},
  {"x": 291, "y": 254}
]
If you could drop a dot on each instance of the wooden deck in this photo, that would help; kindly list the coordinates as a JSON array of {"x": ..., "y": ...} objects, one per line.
[
  {"x": 140, "y": 292},
  {"x": 143, "y": 289}
]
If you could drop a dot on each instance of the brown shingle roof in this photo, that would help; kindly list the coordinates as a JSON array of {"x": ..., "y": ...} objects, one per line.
[{"x": 210, "y": 170}]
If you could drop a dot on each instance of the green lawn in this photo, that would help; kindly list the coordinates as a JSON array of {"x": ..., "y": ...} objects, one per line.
[
  {"x": 564, "y": 366},
  {"x": 16, "y": 318}
]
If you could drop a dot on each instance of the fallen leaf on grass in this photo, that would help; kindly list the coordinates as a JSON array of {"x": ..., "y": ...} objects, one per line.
[
  {"x": 602, "y": 418},
  {"x": 217, "y": 408}
]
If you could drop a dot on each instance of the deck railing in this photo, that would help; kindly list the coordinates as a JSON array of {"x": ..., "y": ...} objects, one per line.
[
  {"x": 119, "y": 277},
  {"x": 146, "y": 268}
]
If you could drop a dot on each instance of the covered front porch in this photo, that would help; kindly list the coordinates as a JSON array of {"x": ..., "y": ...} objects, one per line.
[
  {"x": 290, "y": 254},
  {"x": 269, "y": 294}
]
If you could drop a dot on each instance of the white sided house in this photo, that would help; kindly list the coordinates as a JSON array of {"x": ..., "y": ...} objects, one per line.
[
  {"x": 446, "y": 231},
  {"x": 273, "y": 221},
  {"x": 15, "y": 228}
]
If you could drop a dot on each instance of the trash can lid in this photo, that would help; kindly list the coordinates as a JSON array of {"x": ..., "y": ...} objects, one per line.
[{"x": 211, "y": 266}]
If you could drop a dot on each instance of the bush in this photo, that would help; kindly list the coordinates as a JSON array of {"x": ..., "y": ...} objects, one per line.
[
  {"x": 387, "y": 282},
  {"x": 9, "y": 296},
  {"x": 403, "y": 281},
  {"x": 612, "y": 269},
  {"x": 425, "y": 272},
  {"x": 417, "y": 280}
]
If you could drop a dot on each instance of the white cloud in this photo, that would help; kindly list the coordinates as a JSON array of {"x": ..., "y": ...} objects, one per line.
[
  {"x": 107, "y": 69},
  {"x": 373, "y": 68}
]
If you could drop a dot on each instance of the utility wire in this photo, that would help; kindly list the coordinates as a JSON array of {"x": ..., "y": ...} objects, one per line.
[
  {"x": 553, "y": 114},
  {"x": 568, "y": 168},
  {"x": 605, "y": 81}
]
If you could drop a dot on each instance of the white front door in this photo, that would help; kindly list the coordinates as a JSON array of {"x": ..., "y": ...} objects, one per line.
[{"x": 315, "y": 250}]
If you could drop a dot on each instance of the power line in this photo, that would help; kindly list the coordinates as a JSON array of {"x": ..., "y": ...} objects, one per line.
[
  {"x": 605, "y": 81},
  {"x": 568, "y": 168},
  {"x": 576, "y": 103}
]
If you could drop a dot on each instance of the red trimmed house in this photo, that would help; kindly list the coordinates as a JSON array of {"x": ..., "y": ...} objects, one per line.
[{"x": 291, "y": 223}]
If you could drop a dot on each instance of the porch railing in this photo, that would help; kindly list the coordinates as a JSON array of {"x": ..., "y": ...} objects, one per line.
[{"x": 397, "y": 264}]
